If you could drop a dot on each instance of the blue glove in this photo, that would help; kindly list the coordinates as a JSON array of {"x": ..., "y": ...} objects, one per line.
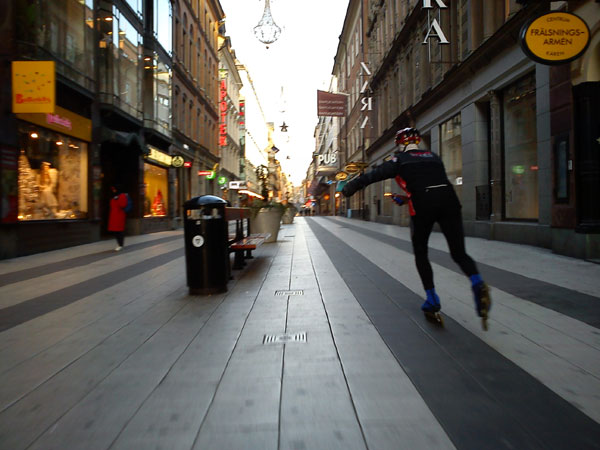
[{"x": 399, "y": 199}]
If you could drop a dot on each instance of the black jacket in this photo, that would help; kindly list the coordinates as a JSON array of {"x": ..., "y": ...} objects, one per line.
[
  {"x": 415, "y": 170},
  {"x": 418, "y": 168}
]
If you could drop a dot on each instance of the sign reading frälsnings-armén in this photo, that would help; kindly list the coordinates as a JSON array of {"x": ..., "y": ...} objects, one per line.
[{"x": 555, "y": 38}]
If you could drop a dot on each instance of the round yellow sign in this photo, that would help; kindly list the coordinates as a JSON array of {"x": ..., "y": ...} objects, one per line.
[
  {"x": 555, "y": 38},
  {"x": 352, "y": 168},
  {"x": 340, "y": 176}
]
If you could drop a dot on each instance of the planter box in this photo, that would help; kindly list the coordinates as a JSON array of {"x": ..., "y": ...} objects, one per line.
[{"x": 266, "y": 221}]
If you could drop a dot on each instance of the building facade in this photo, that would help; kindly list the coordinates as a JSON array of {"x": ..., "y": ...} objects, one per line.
[
  {"x": 136, "y": 89},
  {"x": 351, "y": 70},
  {"x": 198, "y": 25},
  {"x": 230, "y": 116},
  {"x": 516, "y": 136}
]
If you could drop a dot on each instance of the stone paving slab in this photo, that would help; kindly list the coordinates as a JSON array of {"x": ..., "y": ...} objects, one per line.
[{"x": 141, "y": 364}]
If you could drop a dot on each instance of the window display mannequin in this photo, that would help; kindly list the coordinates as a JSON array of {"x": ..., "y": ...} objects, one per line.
[{"x": 47, "y": 179}]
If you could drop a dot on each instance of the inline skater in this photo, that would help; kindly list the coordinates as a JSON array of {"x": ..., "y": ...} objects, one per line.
[{"x": 430, "y": 198}]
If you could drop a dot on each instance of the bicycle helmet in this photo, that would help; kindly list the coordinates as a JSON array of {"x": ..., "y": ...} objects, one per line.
[{"x": 408, "y": 136}]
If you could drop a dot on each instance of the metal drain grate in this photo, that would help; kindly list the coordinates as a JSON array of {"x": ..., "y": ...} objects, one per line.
[
  {"x": 289, "y": 292},
  {"x": 284, "y": 338}
]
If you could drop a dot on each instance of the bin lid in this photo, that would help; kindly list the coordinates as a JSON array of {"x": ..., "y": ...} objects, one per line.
[{"x": 203, "y": 200}]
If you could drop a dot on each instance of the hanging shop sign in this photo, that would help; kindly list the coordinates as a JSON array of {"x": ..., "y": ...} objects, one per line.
[
  {"x": 223, "y": 113},
  {"x": 351, "y": 168},
  {"x": 177, "y": 161},
  {"x": 206, "y": 173},
  {"x": 367, "y": 100},
  {"x": 238, "y": 185},
  {"x": 157, "y": 156},
  {"x": 242, "y": 117},
  {"x": 555, "y": 38},
  {"x": 341, "y": 176},
  {"x": 354, "y": 167},
  {"x": 33, "y": 87},
  {"x": 330, "y": 104},
  {"x": 434, "y": 29},
  {"x": 222, "y": 180},
  {"x": 62, "y": 121}
]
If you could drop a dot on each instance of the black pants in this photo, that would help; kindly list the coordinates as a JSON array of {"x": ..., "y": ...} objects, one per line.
[
  {"x": 442, "y": 206},
  {"x": 120, "y": 235}
]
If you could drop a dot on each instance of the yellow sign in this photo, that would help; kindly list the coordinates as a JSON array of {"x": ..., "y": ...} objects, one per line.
[
  {"x": 33, "y": 86},
  {"x": 63, "y": 121},
  {"x": 341, "y": 176},
  {"x": 158, "y": 156},
  {"x": 351, "y": 168},
  {"x": 555, "y": 38}
]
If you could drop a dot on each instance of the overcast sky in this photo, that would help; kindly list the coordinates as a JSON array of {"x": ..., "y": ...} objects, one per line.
[{"x": 299, "y": 63}]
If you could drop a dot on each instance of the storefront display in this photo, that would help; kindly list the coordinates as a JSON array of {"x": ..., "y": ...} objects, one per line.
[
  {"x": 52, "y": 175},
  {"x": 451, "y": 151},
  {"x": 156, "y": 191},
  {"x": 520, "y": 150}
]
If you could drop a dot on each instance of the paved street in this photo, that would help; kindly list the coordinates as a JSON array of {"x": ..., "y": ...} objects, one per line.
[{"x": 319, "y": 343}]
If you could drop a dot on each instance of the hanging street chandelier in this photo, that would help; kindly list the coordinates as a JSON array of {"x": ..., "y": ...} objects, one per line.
[{"x": 267, "y": 31}]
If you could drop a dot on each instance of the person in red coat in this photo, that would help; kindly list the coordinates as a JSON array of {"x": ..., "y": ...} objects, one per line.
[{"x": 116, "y": 216}]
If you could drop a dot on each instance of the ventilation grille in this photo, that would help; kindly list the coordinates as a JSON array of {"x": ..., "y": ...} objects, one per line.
[
  {"x": 284, "y": 338},
  {"x": 288, "y": 292}
]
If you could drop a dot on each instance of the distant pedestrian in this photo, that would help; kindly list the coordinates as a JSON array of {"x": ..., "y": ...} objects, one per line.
[
  {"x": 431, "y": 198},
  {"x": 117, "y": 215}
]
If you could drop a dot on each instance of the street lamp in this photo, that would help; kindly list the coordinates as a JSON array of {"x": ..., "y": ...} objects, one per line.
[{"x": 267, "y": 30}]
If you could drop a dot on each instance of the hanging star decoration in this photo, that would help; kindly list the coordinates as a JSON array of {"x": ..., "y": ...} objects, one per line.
[{"x": 283, "y": 127}]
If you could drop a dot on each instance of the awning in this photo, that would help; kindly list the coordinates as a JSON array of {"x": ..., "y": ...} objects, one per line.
[{"x": 123, "y": 138}]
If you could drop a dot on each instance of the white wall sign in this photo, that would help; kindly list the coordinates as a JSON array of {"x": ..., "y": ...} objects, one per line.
[{"x": 434, "y": 28}]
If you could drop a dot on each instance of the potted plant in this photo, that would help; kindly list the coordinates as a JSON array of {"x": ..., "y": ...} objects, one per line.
[
  {"x": 265, "y": 216},
  {"x": 289, "y": 213}
]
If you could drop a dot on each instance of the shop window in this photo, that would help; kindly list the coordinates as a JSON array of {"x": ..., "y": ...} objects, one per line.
[
  {"x": 156, "y": 191},
  {"x": 387, "y": 200},
  {"x": 52, "y": 176},
  {"x": 451, "y": 151},
  {"x": 520, "y": 150},
  {"x": 561, "y": 165}
]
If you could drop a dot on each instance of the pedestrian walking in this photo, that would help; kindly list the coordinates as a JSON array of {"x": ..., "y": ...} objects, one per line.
[
  {"x": 430, "y": 198},
  {"x": 117, "y": 215}
]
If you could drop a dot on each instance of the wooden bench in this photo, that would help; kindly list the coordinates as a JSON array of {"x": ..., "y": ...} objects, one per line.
[
  {"x": 246, "y": 244},
  {"x": 241, "y": 240}
]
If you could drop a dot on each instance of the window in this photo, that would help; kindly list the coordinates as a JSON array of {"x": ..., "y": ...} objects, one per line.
[
  {"x": 520, "y": 150},
  {"x": 66, "y": 30},
  {"x": 52, "y": 175},
  {"x": 182, "y": 119},
  {"x": 387, "y": 200},
  {"x": 127, "y": 55},
  {"x": 162, "y": 95},
  {"x": 451, "y": 151},
  {"x": 162, "y": 24},
  {"x": 136, "y": 5},
  {"x": 156, "y": 191}
]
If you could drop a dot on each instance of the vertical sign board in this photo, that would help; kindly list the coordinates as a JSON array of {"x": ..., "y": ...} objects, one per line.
[
  {"x": 33, "y": 87},
  {"x": 223, "y": 113}
]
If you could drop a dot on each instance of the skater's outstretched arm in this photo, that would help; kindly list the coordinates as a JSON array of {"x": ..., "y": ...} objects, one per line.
[{"x": 388, "y": 169}]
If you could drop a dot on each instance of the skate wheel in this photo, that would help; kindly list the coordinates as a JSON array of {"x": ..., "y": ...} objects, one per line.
[
  {"x": 434, "y": 317},
  {"x": 439, "y": 318}
]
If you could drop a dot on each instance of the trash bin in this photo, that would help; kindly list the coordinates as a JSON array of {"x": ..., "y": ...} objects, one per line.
[{"x": 206, "y": 252}]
